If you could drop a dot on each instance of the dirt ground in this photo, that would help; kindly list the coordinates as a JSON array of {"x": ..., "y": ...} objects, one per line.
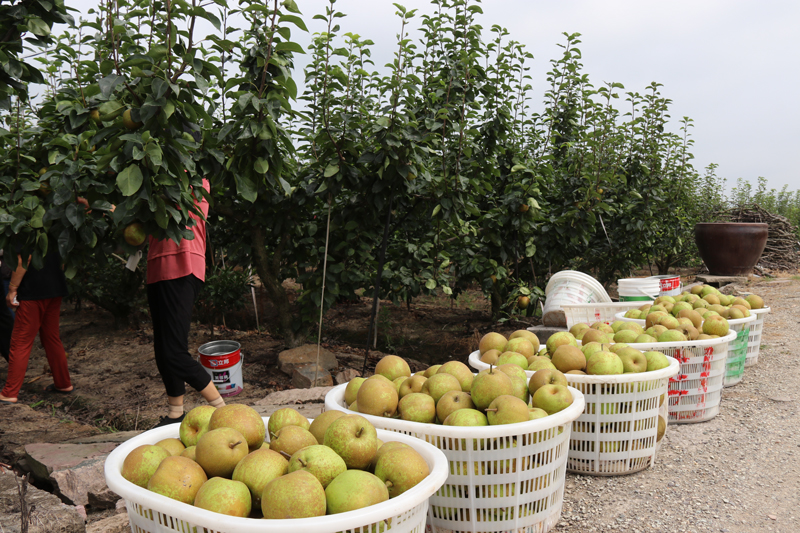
[{"x": 737, "y": 473}]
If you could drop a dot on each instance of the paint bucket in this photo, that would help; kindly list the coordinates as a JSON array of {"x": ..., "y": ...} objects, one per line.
[
  {"x": 638, "y": 289},
  {"x": 670, "y": 285},
  {"x": 223, "y": 362}
]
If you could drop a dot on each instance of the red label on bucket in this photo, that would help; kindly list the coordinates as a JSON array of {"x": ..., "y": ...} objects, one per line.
[
  {"x": 669, "y": 284},
  {"x": 220, "y": 354}
]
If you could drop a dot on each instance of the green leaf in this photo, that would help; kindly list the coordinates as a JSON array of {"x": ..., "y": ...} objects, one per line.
[
  {"x": 130, "y": 180},
  {"x": 153, "y": 151},
  {"x": 297, "y": 21},
  {"x": 261, "y": 165},
  {"x": 245, "y": 186},
  {"x": 430, "y": 284},
  {"x": 331, "y": 170},
  {"x": 38, "y": 27},
  {"x": 291, "y": 47}
]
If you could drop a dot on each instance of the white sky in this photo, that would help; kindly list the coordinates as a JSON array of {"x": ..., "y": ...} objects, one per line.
[{"x": 731, "y": 65}]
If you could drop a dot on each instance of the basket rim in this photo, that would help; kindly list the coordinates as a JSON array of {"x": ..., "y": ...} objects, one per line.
[
  {"x": 604, "y": 304},
  {"x": 685, "y": 344},
  {"x": 328, "y": 523},
  {"x": 566, "y": 416},
  {"x": 731, "y": 321},
  {"x": 668, "y": 372}
]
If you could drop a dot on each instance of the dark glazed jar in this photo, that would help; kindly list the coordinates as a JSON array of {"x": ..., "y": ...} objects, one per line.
[{"x": 730, "y": 248}]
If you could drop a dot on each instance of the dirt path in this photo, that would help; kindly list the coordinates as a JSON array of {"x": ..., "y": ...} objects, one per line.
[{"x": 737, "y": 473}]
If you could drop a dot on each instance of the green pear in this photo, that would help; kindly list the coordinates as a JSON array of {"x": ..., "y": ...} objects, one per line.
[
  {"x": 286, "y": 417},
  {"x": 522, "y": 346},
  {"x": 382, "y": 449},
  {"x": 295, "y": 495},
  {"x": 507, "y": 409},
  {"x": 604, "y": 363},
  {"x": 178, "y": 478},
  {"x": 393, "y": 367},
  {"x": 460, "y": 371},
  {"x": 220, "y": 450},
  {"x": 351, "y": 390},
  {"x": 320, "y": 424},
  {"x": 319, "y": 460},
  {"x": 417, "y": 407},
  {"x": 557, "y": 339},
  {"x": 173, "y": 446},
  {"x": 453, "y": 401},
  {"x": 514, "y": 358},
  {"x": 491, "y": 341},
  {"x": 431, "y": 370},
  {"x": 568, "y": 357},
  {"x": 354, "y": 439},
  {"x": 377, "y": 397},
  {"x": 289, "y": 439},
  {"x": 530, "y": 336},
  {"x": 488, "y": 385},
  {"x": 224, "y": 496},
  {"x": 401, "y": 469},
  {"x": 438, "y": 384},
  {"x": 547, "y": 376},
  {"x": 190, "y": 452},
  {"x": 259, "y": 468},
  {"x": 141, "y": 463},
  {"x": 656, "y": 361},
  {"x": 552, "y": 398},
  {"x": 195, "y": 424},
  {"x": 354, "y": 489},
  {"x": 466, "y": 417},
  {"x": 412, "y": 384}
]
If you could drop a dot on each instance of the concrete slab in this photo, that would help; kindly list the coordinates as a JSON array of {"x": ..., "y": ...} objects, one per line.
[{"x": 543, "y": 332}]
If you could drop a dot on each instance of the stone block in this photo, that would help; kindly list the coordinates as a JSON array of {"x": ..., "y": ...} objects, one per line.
[
  {"x": 119, "y": 523},
  {"x": 104, "y": 498},
  {"x": 47, "y": 512},
  {"x": 75, "y": 470},
  {"x": 295, "y": 396},
  {"x": 347, "y": 375},
  {"x": 308, "y": 410},
  {"x": 304, "y": 355},
  {"x": 311, "y": 375}
]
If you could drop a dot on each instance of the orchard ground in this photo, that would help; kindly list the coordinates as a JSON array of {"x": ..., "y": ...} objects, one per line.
[{"x": 737, "y": 473}]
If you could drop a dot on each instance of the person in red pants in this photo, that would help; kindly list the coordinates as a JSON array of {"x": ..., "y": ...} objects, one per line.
[
  {"x": 175, "y": 275},
  {"x": 36, "y": 295}
]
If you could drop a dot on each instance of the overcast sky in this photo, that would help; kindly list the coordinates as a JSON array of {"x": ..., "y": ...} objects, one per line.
[{"x": 731, "y": 65}]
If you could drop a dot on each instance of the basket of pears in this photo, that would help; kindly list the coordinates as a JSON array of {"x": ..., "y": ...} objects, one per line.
[
  {"x": 229, "y": 470},
  {"x": 506, "y": 445},
  {"x": 705, "y": 315},
  {"x": 625, "y": 390}
]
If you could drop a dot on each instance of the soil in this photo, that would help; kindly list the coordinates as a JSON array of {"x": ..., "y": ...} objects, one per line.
[{"x": 737, "y": 473}]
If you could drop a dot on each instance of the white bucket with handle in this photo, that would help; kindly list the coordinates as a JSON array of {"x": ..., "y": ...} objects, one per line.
[{"x": 638, "y": 289}]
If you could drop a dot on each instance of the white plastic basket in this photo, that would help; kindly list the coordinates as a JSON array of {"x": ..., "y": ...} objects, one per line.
[
  {"x": 754, "y": 341},
  {"x": 695, "y": 393},
  {"x": 619, "y": 438},
  {"x": 153, "y": 513},
  {"x": 597, "y": 312},
  {"x": 617, "y": 432},
  {"x": 737, "y": 349},
  {"x": 507, "y": 478}
]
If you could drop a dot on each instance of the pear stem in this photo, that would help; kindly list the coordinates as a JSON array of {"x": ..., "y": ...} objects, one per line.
[
  {"x": 285, "y": 454},
  {"x": 234, "y": 445},
  {"x": 360, "y": 430}
]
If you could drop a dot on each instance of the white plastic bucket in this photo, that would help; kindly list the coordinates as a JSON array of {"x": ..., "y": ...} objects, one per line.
[
  {"x": 670, "y": 285},
  {"x": 638, "y": 289},
  {"x": 570, "y": 287},
  {"x": 754, "y": 341},
  {"x": 223, "y": 362}
]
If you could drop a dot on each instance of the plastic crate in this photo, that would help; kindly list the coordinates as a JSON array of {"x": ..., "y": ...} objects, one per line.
[
  {"x": 153, "y": 513},
  {"x": 754, "y": 341},
  {"x": 597, "y": 312},
  {"x": 507, "y": 478},
  {"x": 616, "y": 434}
]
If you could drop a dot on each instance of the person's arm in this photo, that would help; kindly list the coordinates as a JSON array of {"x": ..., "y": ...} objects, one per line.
[{"x": 13, "y": 284}]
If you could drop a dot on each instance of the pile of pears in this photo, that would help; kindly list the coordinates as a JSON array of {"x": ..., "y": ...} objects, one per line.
[
  {"x": 222, "y": 463},
  {"x": 562, "y": 355},
  {"x": 450, "y": 394}
]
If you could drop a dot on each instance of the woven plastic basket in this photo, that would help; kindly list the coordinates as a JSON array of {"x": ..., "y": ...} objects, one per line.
[
  {"x": 507, "y": 478},
  {"x": 616, "y": 434},
  {"x": 695, "y": 393},
  {"x": 153, "y": 513},
  {"x": 754, "y": 341},
  {"x": 597, "y": 312},
  {"x": 737, "y": 349}
]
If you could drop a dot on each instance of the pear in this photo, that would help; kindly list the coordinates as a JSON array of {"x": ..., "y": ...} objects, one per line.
[
  {"x": 354, "y": 489},
  {"x": 290, "y": 439},
  {"x": 220, "y": 450},
  {"x": 141, "y": 463},
  {"x": 224, "y": 496},
  {"x": 320, "y": 461},
  {"x": 568, "y": 357},
  {"x": 243, "y": 419},
  {"x": 259, "y": 468},
  {"x": 295, "y": 495},
  {"x": 321, "y": 423},
  {"x": 453, "y": 401},
  {"x": 529, "y": 335},
  {"x": 488, "y": 385},
  {"x": 412, "y": 384},
  {"x": 507, "y": 409},
  {"x": 195, "y": 424},
  {"x": 351, "y": 390},
  {"x": 354, "y": 439},
  {"x": 492, "y": 341},
  {"x": 393, "y": 367},
  {"x": 382, "y": 449},
  {"x": 377, "y": 397},
  {"x": 417, "y": 407},
  {"x": 178, "y": 478},
  {"x": 400, "y": 469},
  {"x": 460, "y": 371},
  {"x": 173, "y": 446},
  {"x": 437, "y": 385},
  {"x": 286, "y": 417}
]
